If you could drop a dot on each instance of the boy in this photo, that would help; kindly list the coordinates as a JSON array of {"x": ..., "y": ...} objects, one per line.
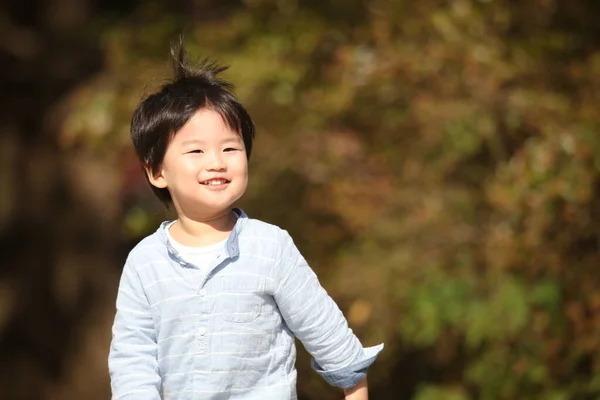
[{"x": 209, "y": 305}]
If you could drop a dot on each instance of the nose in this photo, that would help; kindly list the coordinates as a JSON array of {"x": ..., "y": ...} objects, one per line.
[{"x": 216, "y": 162}]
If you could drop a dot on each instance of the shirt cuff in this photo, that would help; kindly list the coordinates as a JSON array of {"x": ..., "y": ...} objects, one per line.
[{"x": 350, "y": 376}]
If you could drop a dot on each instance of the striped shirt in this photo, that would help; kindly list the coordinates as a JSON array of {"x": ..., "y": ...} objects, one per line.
[{"x": 227, "y": 332}]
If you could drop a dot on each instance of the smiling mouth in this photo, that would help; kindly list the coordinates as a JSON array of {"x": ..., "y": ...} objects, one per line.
[{"x": 215, "y": 182}]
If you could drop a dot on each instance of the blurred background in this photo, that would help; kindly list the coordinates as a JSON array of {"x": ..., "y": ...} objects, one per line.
[{"x": 437, "y": 162}]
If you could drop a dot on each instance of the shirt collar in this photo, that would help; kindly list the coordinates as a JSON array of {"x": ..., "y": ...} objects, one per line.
[{"x": 232, "y": 247}]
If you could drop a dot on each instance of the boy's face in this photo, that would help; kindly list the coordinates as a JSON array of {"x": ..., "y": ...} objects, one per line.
[{"x": 205, "y": 167}]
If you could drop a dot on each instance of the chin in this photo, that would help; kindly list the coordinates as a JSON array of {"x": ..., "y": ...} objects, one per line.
[
  {"x": 212, "y": 204},
  {"x": 217, "y": 207}
]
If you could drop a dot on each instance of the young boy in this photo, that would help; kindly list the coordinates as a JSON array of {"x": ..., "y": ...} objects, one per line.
[{"x": 209, "y": 305}]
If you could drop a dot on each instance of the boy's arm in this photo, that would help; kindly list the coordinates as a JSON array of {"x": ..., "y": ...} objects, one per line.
[
  {"x": 316, "y": 320},
  {"x": 358, "y": 392},
  {"x": 132, "y": 360}
]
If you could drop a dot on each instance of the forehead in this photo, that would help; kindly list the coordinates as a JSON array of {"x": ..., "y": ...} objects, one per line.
[{"x": 206, "y": 125}]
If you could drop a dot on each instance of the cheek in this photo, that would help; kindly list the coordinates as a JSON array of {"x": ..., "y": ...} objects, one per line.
[
  {"x": 186, "y": 166},
  {"x": 180, "y": 173},
  {"x": 240, "y": 165}
]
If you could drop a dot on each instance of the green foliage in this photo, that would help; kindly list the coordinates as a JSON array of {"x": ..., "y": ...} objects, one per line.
[{"x": 429, "y": 392}]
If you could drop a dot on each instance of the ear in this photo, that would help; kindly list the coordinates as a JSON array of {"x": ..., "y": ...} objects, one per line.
[{"x": 157, "y": 180}]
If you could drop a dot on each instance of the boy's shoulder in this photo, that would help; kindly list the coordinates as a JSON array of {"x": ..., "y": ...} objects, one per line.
[
  {"x": 147, "y": 242},
  {"x": 150, "y": 245},
  {"x": 266, "y": 230}
]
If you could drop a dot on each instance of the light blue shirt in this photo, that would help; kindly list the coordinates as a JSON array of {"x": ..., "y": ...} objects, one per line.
[{"x": 228, "y": 334}]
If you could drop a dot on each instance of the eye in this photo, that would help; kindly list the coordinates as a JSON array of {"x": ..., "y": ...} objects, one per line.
[
  {"x": 230, "y": 149},
  {"x": 195, "y": 151}
]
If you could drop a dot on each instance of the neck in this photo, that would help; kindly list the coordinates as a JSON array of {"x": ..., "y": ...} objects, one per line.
[{"x": 203, "y": 231}]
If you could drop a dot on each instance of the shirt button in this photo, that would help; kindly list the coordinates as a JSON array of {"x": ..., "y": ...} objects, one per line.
[
  {"x": 202, "y": 331},
  {"x": 202, "y": 292}
]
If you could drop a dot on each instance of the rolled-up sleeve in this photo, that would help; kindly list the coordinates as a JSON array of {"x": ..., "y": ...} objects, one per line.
[
  {"x": 316, "y": 320},
  {"x": 132, "y": 359}
]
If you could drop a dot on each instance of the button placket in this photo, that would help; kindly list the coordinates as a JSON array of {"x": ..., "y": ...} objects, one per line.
[
  {"x": 204, "y": 323},
  {"x": 202, "y": 329}
]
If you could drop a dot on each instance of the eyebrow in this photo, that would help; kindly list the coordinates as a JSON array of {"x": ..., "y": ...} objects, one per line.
[
  {"x": 191, "y": 141},
  {"x": 236, "y": 139}
]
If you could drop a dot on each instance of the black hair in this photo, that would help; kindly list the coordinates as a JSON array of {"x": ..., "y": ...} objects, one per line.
[{"x": 159, "y": 116}]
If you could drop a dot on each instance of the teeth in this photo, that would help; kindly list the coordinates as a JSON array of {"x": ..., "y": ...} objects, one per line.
[{"x": 215, "y": 182}]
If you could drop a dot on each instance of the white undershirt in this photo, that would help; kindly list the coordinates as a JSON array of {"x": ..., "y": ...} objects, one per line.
[{"x": 201, "y": 256}]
